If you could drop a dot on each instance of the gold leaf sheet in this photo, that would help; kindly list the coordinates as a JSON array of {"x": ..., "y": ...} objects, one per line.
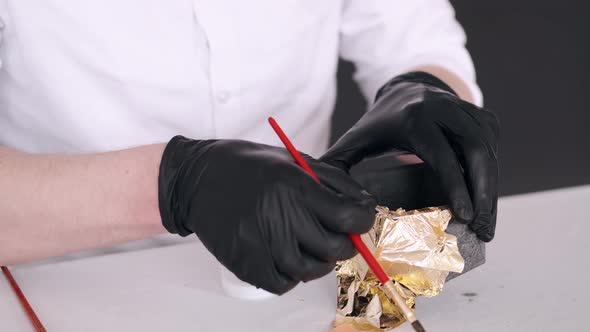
[{"x": 415, "y": 251}]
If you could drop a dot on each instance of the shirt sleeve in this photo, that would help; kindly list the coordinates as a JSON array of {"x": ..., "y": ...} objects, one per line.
[
  {"x": 386, "y": 38},
  {"x": 1, "y": 32}
]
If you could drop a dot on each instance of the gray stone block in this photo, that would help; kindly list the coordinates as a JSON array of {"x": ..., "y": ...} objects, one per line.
[
  {"x": 471, "y": 248},
  {"x": 398, "y": 184}
]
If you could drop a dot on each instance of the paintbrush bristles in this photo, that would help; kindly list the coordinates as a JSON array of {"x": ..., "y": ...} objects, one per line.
[
  {"x": 400, "y": 303},
  {"x": 417, "y": 326},
  {"x": 398, "y": 300}
]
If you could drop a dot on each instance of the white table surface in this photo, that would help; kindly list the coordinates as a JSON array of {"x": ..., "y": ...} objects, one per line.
[{"x": 535, "y": 279}]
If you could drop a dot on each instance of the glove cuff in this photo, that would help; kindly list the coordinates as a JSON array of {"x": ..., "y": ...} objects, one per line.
[
  {"x": 181, "y": 157},
  {"x": 167, "y": 178},
  {"x": 414, "y": 77}
]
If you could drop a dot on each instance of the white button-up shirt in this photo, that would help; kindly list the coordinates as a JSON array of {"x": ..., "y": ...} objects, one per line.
[
  {"x": 98, "y": 75},
  {"x": 85, "y": 76}
]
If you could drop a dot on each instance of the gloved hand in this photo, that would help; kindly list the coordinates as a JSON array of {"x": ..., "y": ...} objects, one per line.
[
  {"x": 419, "y": 113},
  {"x": 258, "y": 212}
]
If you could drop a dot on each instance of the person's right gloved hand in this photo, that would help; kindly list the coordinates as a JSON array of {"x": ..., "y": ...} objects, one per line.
[{"x": 258, "y": 212}]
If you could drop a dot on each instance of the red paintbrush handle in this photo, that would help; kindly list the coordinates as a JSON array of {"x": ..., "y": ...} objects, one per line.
[
  {"x": 355, "y": 238},
  {"x": 23, "y": 300},
  {"x": 294, "y": 153},
  {"x": 369, "y": 258}
]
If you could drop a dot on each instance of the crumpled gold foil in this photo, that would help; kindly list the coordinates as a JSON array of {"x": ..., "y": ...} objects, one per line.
[{"x": 415, "y": 251}]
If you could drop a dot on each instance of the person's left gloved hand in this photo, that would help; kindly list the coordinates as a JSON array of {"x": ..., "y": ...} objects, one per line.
[{"x": 419, "y": 113}]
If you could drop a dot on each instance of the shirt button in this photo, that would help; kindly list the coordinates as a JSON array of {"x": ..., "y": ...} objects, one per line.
[{"x": 223, "y": 96}]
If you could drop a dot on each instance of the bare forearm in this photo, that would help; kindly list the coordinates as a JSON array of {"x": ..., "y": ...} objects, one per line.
[{"x": 55, "y": 204}]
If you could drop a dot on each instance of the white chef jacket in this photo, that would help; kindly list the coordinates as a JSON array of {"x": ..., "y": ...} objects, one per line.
[{"x": 98, "y": 75}]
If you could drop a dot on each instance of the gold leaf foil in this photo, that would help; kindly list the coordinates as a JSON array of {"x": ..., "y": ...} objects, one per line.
[{"x": 415, "y": 251}]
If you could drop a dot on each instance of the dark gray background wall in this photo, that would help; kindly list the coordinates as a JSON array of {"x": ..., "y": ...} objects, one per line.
[{"x": 533, "y": 65}]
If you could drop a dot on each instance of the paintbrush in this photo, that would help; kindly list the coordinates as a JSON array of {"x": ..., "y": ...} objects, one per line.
[
  {"x": 23, "y": 300},
  {"x": 386, "y": 284}
]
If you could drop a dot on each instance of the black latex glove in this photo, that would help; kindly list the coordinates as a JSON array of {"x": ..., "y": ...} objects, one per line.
[
  {"x": 258, "y": 212},
  {"x": 419, "y": 113}
]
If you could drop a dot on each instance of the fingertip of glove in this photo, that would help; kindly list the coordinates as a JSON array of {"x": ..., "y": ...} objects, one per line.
[
  {"x": 280, "y": 289},
  {"x": 463, "y": 214},
  {"x": 486, "y": 237},
  {"x": 482, "y": 226},
  {"x": 368, "y": 199},
  {"x": 361, "y": 221}
]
